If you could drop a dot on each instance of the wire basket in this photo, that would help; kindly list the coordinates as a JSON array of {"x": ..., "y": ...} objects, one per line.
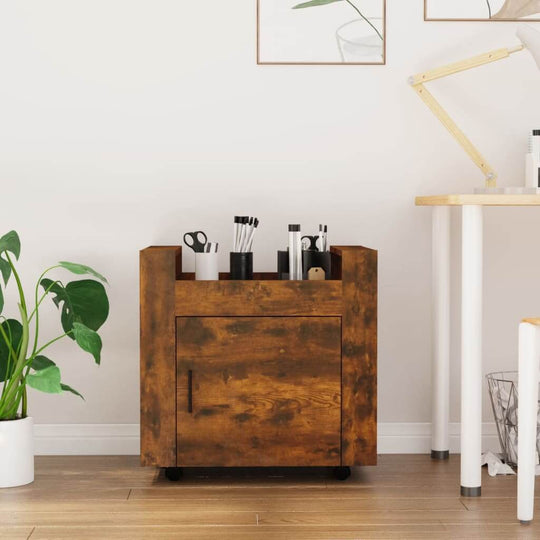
[{"x": 503, "y": 393}]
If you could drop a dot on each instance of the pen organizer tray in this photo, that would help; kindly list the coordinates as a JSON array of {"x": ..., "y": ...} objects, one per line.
[
  {"x": 317, "y": 265},
  {"x": 241, "y": 265}
]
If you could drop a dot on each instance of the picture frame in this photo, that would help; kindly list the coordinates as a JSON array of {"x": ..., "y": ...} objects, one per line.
[
  {"x": 481, "y": 11},
  {"x": 315, "y": 32}
]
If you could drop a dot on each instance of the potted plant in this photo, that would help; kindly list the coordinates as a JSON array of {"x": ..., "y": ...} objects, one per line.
[{"x": 83, "y": 306}]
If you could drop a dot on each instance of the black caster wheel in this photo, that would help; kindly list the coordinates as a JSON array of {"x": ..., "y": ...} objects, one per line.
[
  {"x": 342, "y": 473},
  {"x": 173, "y": 473}
]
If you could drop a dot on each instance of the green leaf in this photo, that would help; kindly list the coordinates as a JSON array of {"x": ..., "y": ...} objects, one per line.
[
  {"x": 41, "y": 362},
  {"x": 81, "y": 269},
  {"x": 13, "y": 330},
  {"x": 313, "y": 3},
  {"x": 46, "y": 380},
  {"x": 10, "y": 242},
  {"x": 89, "y": 304},
  {"x": 1, "y": 300},
  {"x": 67, "y": 388},
  {"x": 5, "y": 269},
  {"x": 84, "y": 301},
  {"x": 55, "y": 288},
  {"x": 88, "y": 340}
]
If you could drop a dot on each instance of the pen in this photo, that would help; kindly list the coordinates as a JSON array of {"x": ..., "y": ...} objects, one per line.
[
  {"x": 249, "y": 228},
  {"x": 237, "y": 221},
  {"x": 253, "y": 229},
  {"x": 243, "y": 224}
]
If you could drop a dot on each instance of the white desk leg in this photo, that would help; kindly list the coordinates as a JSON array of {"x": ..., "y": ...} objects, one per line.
[
  {"x": 440, "y": 444},
  {"x": 471, "y": 352},
  {"x": 527, "y": 414}
]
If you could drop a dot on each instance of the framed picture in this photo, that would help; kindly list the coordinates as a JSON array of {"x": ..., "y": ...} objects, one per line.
[
  {"x": 482, "y": 10},
  {"x": 321, "y": 32}
]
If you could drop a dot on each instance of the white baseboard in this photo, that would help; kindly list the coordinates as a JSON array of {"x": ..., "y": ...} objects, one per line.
[
  {"x": 415, "y": 438},
  {"x": 86, "y": 439},
  {"x": 123, "y": 439}
]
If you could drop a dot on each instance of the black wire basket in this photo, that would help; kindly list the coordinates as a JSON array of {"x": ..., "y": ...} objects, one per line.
[{"x": 503, "y": 392}]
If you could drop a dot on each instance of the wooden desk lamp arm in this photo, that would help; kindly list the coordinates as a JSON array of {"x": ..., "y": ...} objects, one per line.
[
  {"x": 417, "y": 82},
  {"x": 464, "y": 65}
]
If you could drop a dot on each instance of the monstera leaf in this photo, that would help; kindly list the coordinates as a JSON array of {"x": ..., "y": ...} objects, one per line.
[
  {"x": 83, "y": 301},
  {"x": 81, "y": 269},
  {"x": 8, "y": 243},
  {"x": 5, "y": 269},
  {"x": 88, "y": 340},
  {"x": 41, "y": 363},
  {"x": 46, "y": 380},
  {"x": 13, "y": 331}
]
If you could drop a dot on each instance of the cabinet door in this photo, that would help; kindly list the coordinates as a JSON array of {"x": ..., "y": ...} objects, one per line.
[{"x": 259, "y": 391}]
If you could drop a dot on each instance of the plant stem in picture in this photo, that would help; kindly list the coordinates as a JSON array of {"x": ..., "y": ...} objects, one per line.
[
  {"x": 489, "y": 8},
  {"x": 314, "y": 3}
]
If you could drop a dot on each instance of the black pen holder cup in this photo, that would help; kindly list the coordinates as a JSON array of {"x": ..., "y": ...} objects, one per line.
[
  {"x": 283, "y": 264},
  {"x": 317, "y": 259},
  {"x": 241, "y": 265}
]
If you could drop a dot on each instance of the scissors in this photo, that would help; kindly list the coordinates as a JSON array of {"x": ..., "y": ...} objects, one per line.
[
  {"x": 309, "y": 243},
  {"x": 195, "y": 242}
]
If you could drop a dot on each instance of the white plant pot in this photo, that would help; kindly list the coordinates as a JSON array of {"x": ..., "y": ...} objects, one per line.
[{"x": 16, "y": 452}]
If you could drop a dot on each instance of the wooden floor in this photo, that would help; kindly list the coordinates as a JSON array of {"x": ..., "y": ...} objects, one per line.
[{"x": 112, "y": 497}]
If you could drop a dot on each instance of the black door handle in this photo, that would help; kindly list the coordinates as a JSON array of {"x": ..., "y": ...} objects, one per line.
[{"x": 190, "y": 391}]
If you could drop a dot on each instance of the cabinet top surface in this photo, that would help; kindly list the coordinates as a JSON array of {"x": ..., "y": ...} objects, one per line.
[{"x": 481, "y": 199}]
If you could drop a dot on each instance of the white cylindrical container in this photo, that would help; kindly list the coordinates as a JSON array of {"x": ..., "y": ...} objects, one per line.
[
  {"x": 532, "y": 161},
  {"x": 295, "y": 252},
  {"x": 206, "y": 266},
  {"x": 16, "y": 452}
]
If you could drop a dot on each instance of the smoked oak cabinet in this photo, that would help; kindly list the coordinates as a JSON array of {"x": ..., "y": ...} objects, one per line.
[{"x": 258, "y": 373}]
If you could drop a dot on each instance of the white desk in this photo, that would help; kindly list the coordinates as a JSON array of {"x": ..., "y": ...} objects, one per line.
[{"x": 471, "y": 326}]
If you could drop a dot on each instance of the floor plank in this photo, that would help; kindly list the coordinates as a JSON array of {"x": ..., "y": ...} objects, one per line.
[
  {"x": 15, "y": 533},
  {"x": 236, "y": 533},
  {"x": 113, "y": 497}
]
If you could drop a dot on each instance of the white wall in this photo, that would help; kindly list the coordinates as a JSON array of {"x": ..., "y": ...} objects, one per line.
[{"x": 125, "y": 123}]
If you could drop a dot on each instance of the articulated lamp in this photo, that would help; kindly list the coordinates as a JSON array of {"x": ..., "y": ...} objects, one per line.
[{"x": 530, "y": 40}]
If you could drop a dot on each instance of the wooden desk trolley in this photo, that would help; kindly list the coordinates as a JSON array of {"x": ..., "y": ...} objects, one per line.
[{"x": 258, "y": 373}]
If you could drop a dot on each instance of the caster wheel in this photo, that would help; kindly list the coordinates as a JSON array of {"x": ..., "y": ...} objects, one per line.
[
  {"x": 173, "y": 473},
  {"x": 342, "y": 473}
]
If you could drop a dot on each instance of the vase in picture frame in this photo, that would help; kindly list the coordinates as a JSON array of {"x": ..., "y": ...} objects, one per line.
[{"x": 358, "y": 42}]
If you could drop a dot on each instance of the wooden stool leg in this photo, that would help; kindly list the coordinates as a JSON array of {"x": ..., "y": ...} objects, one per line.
[{"x": 527, "y": 419}]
